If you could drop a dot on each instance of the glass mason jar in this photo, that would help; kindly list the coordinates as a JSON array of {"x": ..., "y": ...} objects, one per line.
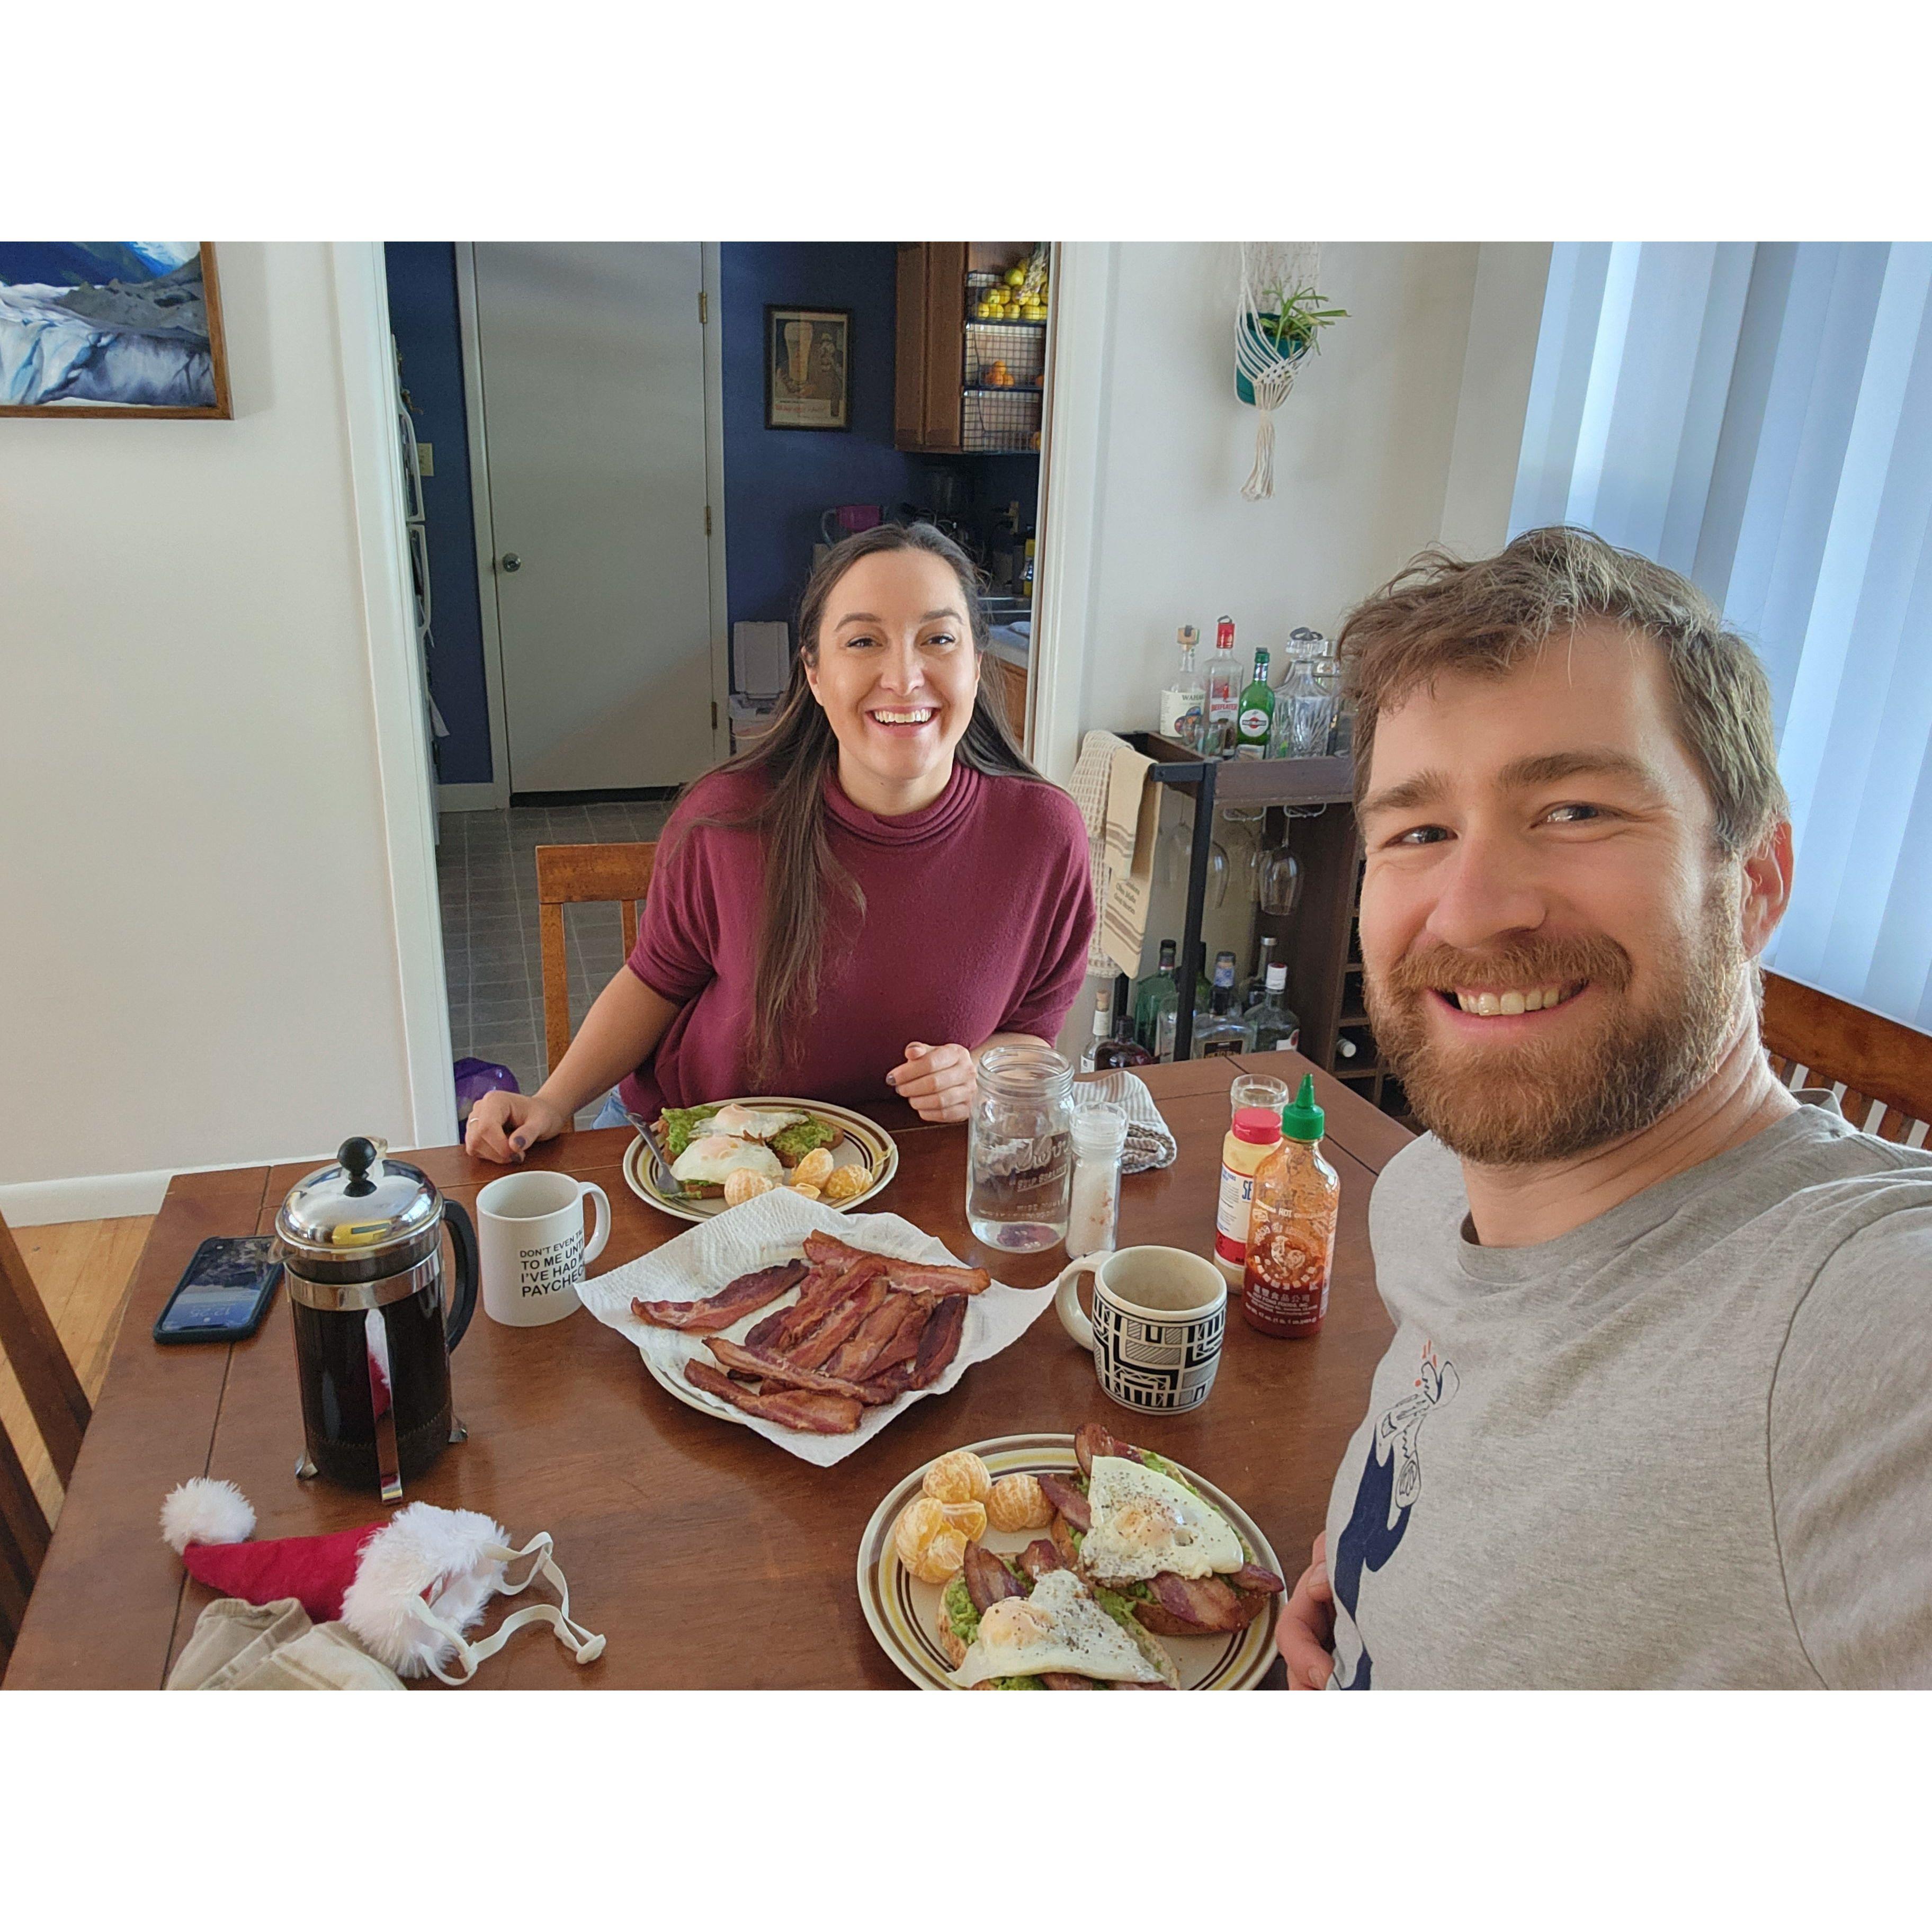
[{"x": 1019, "y": 1148}]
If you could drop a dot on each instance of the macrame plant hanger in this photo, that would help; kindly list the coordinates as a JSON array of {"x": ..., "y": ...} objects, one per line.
[{"x": 1269, "y": 271}]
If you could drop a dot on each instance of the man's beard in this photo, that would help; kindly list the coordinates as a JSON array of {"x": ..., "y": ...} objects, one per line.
[{"x": 1506, "y": 1106}]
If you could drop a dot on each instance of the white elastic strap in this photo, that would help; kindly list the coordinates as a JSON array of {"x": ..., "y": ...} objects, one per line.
[{"x": 585, "y": 1646}]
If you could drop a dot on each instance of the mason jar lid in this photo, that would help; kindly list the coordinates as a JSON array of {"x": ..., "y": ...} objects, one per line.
[{"x": 362, "y": 1202}]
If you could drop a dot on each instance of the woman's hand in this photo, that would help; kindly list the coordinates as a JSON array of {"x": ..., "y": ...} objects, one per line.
[
  {"x": 936, "y": 1082},
  {"x": 1306, "y": 1633},
  {"x": 505, "y": 1127}
]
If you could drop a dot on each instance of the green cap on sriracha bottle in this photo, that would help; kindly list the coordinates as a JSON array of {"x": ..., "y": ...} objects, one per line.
[{"x": 1301, "y": 1119}]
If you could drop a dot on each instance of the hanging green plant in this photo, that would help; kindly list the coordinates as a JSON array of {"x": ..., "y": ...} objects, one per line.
[{"x": 1279, "y": 320}]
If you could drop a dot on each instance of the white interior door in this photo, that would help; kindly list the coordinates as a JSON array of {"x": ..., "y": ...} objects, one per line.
[{"x": 592, "y": 357}]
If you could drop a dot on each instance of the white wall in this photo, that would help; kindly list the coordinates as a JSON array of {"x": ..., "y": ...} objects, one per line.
[
  {"x": 198, "y": 961},
  {"x": 1403, "y": 430}
]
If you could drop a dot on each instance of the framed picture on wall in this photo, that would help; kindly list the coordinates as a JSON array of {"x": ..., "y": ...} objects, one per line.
[
  {"x": 111, "y": 329},
  {"x": 807, "y": 368}
]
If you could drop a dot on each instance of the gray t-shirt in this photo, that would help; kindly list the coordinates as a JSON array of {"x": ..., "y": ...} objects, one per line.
[{"x": 1688, "y": 1443}]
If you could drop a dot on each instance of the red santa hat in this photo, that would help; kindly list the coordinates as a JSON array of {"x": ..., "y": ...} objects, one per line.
[{"x": 406, "y": 1589}]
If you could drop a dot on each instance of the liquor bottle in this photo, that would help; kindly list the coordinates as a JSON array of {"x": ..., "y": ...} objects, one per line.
[
  {"x": 1274, "y": 1023},
  {"x": 1103, "y": 1028},
  {"x": 1157, "y": 995},
  {"x": 1255, "y": 720},
  {"x": 1220, "y": 1029},
  {"x": 1182, "y": 703},
  {"x": 1123, "y": 1049},
  {"x": 1252, "y": 994},
  {"x": 1224, "y": 695}
]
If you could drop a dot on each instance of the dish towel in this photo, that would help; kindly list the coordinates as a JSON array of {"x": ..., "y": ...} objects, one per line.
[
  {"x": 1150, "y": 1142},
  {"x": 1122, "y": 812}
]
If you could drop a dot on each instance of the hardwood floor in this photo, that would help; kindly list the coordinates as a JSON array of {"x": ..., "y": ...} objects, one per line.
[{"x": 83, "y": 1269}]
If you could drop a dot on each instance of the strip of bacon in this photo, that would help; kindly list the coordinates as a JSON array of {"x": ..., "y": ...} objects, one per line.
[
  {"x": 1252, "y": 1576},
  {"x": 815, "y": 1350},
  {"x": 1095, "y": 1438},
  {"x": 1060, "y": 1491},
  {"x": 939, "y": 1342},
  {"x": 903, "y": 1347},
  {"x": 792, "y": 1408},
  {"x": 856, "y": 1356},
  {"x": 1065, "y": 1680},
  {"x": 894, "y": 1381},
  {"x": 987, "y": 1580},
  {"x": 906, "y": 1277},
  {"x": 934, "y": 1278},
  {"x": 742, "y": 1361},
  {"x": 1206, "y": 1602},
  {"x": 1038, "y": 1557},
  {"x": 733, "y": 1302},
  {"x": 811, "y": 1288}
]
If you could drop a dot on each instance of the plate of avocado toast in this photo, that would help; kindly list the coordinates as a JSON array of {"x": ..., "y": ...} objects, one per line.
[{"x": 851, "y": 1140}]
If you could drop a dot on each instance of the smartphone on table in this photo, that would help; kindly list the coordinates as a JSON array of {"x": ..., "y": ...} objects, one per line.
[{"x": 223, "y": 1292}]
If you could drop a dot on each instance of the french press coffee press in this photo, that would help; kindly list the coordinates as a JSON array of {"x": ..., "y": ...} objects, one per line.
[{"x": 362, "y": 1247}]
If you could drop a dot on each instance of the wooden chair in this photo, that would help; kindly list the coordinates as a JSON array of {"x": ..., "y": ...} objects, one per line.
[
  {"x": 582, "y": 875},
  {"x": 1880, "y": 1071},
  {"x": 60, "y": 1410}
]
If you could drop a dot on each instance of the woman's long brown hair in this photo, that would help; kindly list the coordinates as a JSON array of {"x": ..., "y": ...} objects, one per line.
[{"x": 804, "y": 883}]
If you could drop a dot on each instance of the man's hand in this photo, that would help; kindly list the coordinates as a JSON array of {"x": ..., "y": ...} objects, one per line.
[
  {"x": 937, "y": 1082},
  {"x": 505, "y": 1127},
  {"x": 1306, "y": 1633}
]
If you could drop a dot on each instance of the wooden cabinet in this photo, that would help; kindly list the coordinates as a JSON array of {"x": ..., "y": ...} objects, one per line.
[
  {"x": 938, "y": 379},
  {"x": 928, "y": 400},
  {"x": 1007, "y": 686}
]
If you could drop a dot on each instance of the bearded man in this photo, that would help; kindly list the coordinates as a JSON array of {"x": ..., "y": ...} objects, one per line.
[{"x": 1658, "y": 1409}]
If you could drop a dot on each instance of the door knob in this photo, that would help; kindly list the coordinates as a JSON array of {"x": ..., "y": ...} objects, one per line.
[{"x": 511, "y": 561}]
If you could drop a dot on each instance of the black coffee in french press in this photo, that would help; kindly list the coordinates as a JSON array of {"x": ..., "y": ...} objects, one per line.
[{"x": 361, "y": 1246}]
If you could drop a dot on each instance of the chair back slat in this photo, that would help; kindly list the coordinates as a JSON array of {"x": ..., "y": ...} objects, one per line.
[
  {"x": 1881, "y": 1071},
  {"x": 582, "y": 875},
  {"x": 32, "y": 1348},
  {"x": 24, "y": 1536},
  {"x": 59, "y": 1407}
]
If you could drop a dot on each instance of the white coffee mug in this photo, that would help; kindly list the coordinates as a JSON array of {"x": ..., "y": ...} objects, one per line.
[
  {"x": 529, "y": 1230},
  {"x": 1159, "y": 1316}
]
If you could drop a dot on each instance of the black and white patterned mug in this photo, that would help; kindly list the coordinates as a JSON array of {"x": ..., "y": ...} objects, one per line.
[{"x": 1160, "y": 1315}]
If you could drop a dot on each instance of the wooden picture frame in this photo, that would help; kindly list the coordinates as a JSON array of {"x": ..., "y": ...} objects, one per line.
[
  {"x": 807, "y": 367},
  {"x": 109, "y": 299}
]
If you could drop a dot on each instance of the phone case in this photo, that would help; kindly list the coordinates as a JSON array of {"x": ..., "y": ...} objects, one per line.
[{"x": 260, "y": 1269}]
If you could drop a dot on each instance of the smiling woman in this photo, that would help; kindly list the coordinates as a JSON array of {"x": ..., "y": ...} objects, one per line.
[{"x": 862, "y": 902}]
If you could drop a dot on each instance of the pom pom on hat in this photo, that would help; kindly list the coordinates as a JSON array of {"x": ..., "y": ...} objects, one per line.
[{"x": 204, "y": 1510}]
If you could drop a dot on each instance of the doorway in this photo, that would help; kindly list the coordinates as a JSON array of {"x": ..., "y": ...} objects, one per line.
[{"x": 590, "y": 362}]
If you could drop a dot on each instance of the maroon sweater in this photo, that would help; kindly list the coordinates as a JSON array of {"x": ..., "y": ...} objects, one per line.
[{"x": 978, "y": 913}]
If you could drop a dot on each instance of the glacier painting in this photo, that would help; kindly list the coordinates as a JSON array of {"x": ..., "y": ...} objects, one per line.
[{"x": 105, "y": 324}]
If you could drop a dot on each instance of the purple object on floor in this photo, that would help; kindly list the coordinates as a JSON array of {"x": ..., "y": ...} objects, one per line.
[{"x": 476, "y": 1078}]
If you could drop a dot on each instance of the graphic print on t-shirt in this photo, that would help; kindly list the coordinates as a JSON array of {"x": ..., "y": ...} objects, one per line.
[{"x": 1391, "y": 1481}]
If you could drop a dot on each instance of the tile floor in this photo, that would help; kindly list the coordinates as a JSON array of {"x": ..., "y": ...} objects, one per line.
[{"x": 486, "y": 867}]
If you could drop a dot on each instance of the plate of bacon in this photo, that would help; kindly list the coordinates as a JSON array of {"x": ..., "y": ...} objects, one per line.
[{"x": 812, "y": 1327}]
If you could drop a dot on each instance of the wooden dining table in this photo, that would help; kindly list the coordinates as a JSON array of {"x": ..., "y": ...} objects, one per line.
[{"x": 707, "y": 1556}]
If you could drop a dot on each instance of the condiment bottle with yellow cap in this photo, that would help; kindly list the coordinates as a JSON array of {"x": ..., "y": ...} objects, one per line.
[{"x": 1290, "y": 1246}]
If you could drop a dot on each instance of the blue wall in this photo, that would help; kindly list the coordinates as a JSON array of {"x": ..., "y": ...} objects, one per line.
[
  {"x": 779, "y": 482},
  {"x": 423, "y": 316}
]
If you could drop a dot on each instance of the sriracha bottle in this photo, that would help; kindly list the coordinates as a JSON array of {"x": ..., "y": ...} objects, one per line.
[{"x": 1290, "y": 1246}]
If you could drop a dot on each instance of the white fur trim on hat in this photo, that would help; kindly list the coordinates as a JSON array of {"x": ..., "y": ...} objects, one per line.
[
  {"x": 422, "y": 1546},
  {"x": 202, "y": 1509}
]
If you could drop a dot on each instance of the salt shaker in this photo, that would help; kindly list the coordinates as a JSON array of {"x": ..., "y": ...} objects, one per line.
[{"x": 1099, "y": 1137}]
